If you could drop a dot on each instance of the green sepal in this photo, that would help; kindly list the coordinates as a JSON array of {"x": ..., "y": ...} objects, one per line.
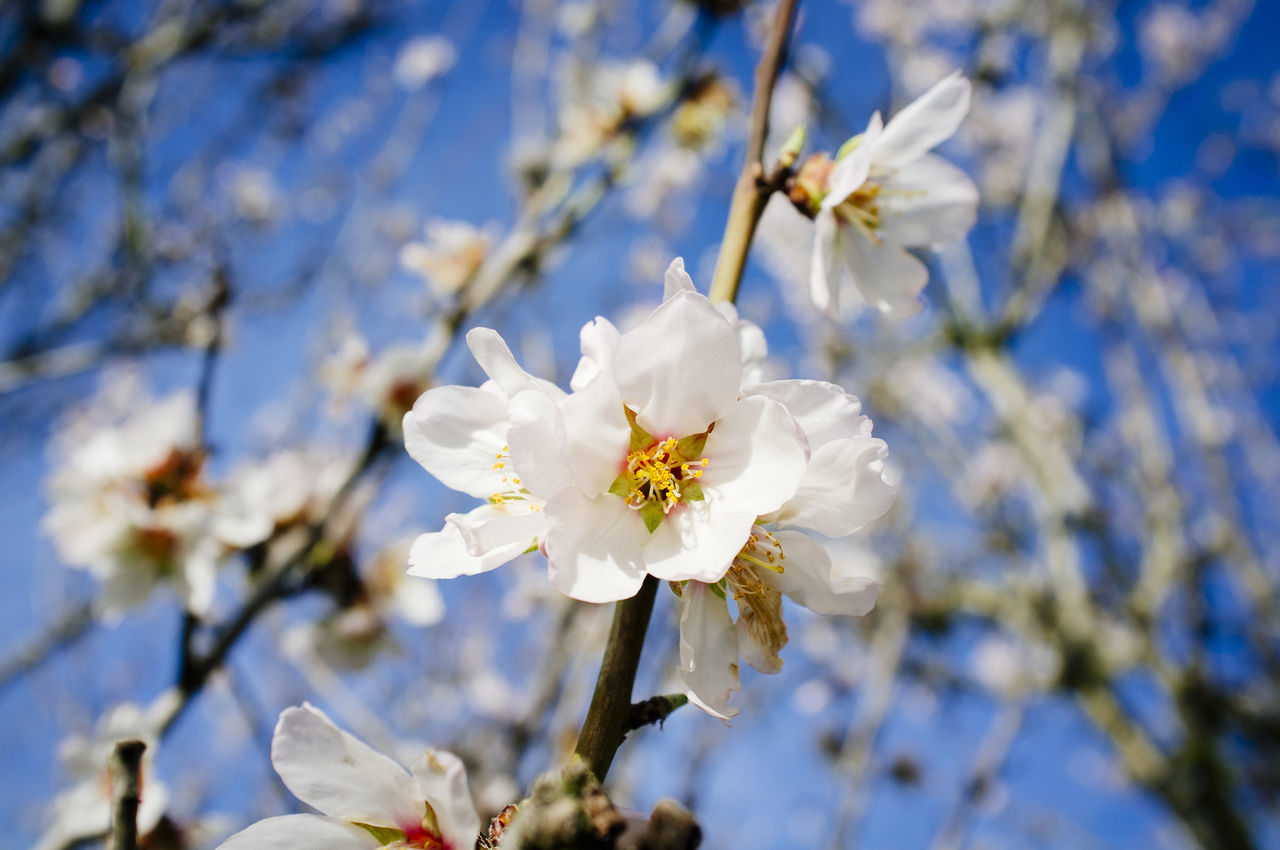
[
  {"x": 652, "y": 515},
  {"x": 849, "y": 146},
  {"x": 791, "y": 149},
  {"x": 640, "y": 438},
  {"x": 690, "y": 448},
  {"x": 718, "y": 589},
  {"x": 384, "y": 834},
  {"x": 691, "y": 491},
  {"x": 533, "y": 547},
  {"x": 621, "y": 486}
]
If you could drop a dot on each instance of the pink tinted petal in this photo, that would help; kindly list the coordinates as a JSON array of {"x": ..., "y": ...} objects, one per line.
[
  {"x": 680, "y": 369},
  {"x": 442, "y": 782},
  {"x": 341, "y": 775},
  {"x": 301, "y": 832},
  {"x": 443, "y": 554},
  {"x": 824, "y": 266},
  {"x": 885, "y": 275},
  {"x": 594, "y": 546},
  {"x": 851, "y": 170},
  {"x": 599, "y": 342},
  {"x": 697, "y": 540},
  {"x": 824, "y": 411},
  {"x": 809, "y": 579},
  {"x": 708, "y": 650},
  {"x": 676, "y": 280},
  {"x": 456, "y": 434},
  {"x": 924, "y": 123},
  {"x": 756, "y": 457},
  {"x": 929, "y": 202}
]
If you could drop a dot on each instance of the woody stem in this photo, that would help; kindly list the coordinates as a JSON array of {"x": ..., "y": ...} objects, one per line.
[
  {"x": 608, "y": 718},
  {"x": 752, "y": 190}
]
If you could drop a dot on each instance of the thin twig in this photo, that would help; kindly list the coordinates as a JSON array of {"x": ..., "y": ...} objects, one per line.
[
  {"x": 752, "y": 191},
  {"x": 72, "y": 626},
  {"x": 126, "y": 794}
]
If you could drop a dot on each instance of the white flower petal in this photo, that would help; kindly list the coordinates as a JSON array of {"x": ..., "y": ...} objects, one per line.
[
  {"x": 599, "y": 436},
  {"x": 824, "y": 411},
  {"x": 538, "y": 444},
  {"x": 752, "y": 346},
  {"x": 676, "y": 280},
  {"x": 851, "y": 170},
  {"x": 697, "y": 540},
  {"x": 843, "y": 489},
  {"x": 489, "y": 528},
  {"x": 442, "y": 782},
  {"x": 810, "y": 580},
  {"x": 594, "y": 546},
  {"x": 929, "y": 202},
  {"x": 456, "y": 434},
  {"x": 443, "y": 554},
  {"x": 301, "y": 832},
  {"x": 495, "y": 358},
  {"x": 708, "y": 650},
  {"x": 824, "y": 265},
  {"x": 680, "y": 369},
  {"x": 599, "y": 342},
  {"x": 924, "y": 123},
  {"x": 885, "y": 275},
  {"x": 339, "y": 774},
  {"x": 756, "y": 457}
]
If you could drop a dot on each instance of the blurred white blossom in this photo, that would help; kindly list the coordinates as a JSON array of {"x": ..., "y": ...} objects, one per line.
[
  {"x": 423, "y": 59},
  {"x": 128, "y": 501},
  {"x": 83, "y": 811}
]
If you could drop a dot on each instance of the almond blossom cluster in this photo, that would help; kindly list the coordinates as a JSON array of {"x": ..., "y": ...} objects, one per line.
[{"x": 669, "y": 457}]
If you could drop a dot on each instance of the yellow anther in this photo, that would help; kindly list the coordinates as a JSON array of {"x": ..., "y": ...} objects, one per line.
[{"x": 656, "y": 474}]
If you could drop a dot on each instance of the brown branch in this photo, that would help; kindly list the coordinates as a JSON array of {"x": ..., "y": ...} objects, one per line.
[
  {"x": 610, "y": 711},
  {"x": 126, "y": 793},
  {"x": 752, "y": 190}
]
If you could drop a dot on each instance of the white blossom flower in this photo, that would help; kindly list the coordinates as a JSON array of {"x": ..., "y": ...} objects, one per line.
[
  {"x": 351, "y": 635},
  {"x": 129, "y": 503},
  {"x": 287, "y": 488},
  {"x": 609, "y": 95},
  {"x": 653, "y": 465},
  {"x": 887, "y": 193},
  {"x": 390, "y": 382},
  {"x": 367, "y": 800},
  {"x": 450, "y": 254}
]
